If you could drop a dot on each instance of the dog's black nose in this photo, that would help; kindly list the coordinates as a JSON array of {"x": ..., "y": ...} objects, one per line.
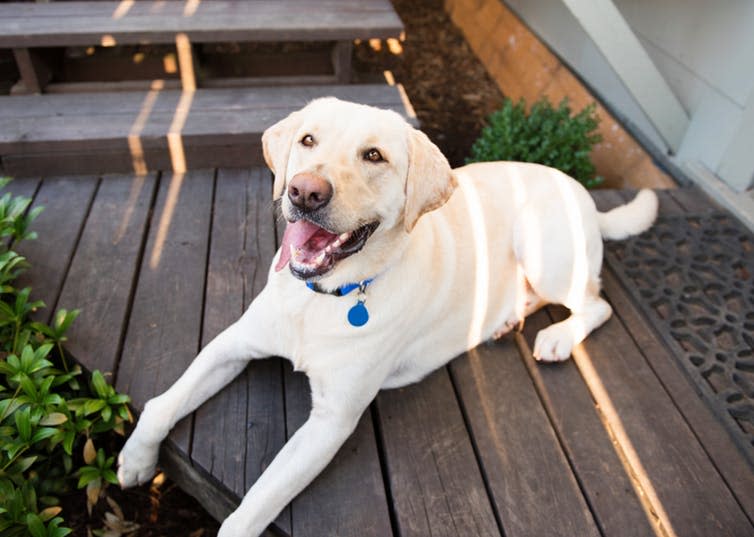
[{"x": 309, "y": 192}]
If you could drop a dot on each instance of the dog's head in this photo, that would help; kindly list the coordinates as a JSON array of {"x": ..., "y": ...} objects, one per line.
[{"x": 353, "y": 179}]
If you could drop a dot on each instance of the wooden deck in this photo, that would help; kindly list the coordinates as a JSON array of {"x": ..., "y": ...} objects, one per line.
[{"x": 616, "y": 442}]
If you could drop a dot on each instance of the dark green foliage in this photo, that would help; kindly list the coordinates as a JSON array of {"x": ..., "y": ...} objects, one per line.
[
  {"x": 547, "y": 135},
  {"x": 49, "y": 419}
]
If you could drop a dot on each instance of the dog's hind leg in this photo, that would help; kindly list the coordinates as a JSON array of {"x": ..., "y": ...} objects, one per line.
[
  {"x": 556, "y": 342},
  {"x": 558, "y": 244},
  {"x": 526, "y": 303}
]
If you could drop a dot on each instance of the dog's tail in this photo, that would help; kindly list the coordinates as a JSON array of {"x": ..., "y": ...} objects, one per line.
[{"x": 633, "y": 218}]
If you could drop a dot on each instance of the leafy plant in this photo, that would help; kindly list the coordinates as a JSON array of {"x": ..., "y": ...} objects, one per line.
[
  {"x": 546, "y": 135},
  {"x": 49, "y": 420}
]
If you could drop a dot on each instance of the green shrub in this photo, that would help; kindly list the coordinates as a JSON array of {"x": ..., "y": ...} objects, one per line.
[
  {"x": 547, "y": 135},
  {"x": 49, "y": 419}
]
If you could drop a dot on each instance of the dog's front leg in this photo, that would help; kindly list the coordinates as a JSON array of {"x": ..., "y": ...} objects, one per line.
[
  {"x": 337, "y": 404},
  {"x": 216, "y": 365}
]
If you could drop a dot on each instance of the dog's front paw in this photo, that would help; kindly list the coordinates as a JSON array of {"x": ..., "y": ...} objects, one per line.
[
  {"x": 137, "y": 462},
  {"x": 553, "y": 344}
]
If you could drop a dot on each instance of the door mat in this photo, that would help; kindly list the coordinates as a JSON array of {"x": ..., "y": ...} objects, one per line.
[{"x": 693, "y": 278}]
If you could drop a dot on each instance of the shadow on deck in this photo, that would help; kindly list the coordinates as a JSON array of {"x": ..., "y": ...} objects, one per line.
[{"x": 621, "y": 440}]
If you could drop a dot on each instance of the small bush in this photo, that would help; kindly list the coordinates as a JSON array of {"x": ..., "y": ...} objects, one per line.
[
  {"x": 546, "y": 135},
  {"x": 50, "y": 421}
]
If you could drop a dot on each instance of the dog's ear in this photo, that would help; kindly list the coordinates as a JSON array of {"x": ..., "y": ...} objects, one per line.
[
  {"x": 276, "y": 146},
  {"x": 430, "y": 181}
]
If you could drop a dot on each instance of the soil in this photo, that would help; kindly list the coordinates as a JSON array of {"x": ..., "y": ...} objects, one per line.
[
  {"x": 452, "y": 95},
  {"x": 157, "y": 509},
  {"x": 446, "y": 83}
]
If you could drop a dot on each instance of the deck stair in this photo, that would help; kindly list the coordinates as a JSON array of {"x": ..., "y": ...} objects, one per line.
[
  {"x": 188, "y": 121},
  {"x": 157, "y": 129},
  {"x": 30, "y": 28}
]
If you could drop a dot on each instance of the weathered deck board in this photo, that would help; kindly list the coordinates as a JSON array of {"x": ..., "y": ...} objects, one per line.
[
  {"x": 494, "y": 443},
  {"x": 239, "y": 431},
  {"x": 165, "y": 325},
  {"x": 123, "y": 132},
  {"x": 348, "y": 498},
  {"x": 66, "y": 203},
  {"x": 498, "y": 397},
  {"x": 727, "y": 458},
  {"x": 101, "y": 278},
  {"x": 592, "y": 453},
  {"x": 656, "y": 440},
  {"x": 25, "y": 186},
  {"x": 437, "y": 487},
  {"x": 89, "y": 23}
]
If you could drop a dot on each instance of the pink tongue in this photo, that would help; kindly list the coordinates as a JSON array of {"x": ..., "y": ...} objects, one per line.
[{"x": 296, "y": 235}]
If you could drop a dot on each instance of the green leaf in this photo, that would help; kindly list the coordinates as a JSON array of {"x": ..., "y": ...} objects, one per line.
[
  {"x": 110, "y": 476},
  {"x": 43, "y": 433},
  {"x": 23, "y": 424},
  {"x": 119, "y": 399},
  {"x": 100, "y": 385},
  {"x": 87, "y": 474},
  {"x": 27, "y": 385},
  {"x": 70, "y": 436},
  {"x": 35, "y": 525},
  {"x": 24, "y": 463},
  {"x": 93, "y": 405}
]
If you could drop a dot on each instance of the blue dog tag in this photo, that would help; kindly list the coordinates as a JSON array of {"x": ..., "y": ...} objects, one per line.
[{"x": 358, "y": 314}]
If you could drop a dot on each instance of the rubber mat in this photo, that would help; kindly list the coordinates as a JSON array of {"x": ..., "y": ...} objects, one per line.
[{"x": 693, "y": 277}]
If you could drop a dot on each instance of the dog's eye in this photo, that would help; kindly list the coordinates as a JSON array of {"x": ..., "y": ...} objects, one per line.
[
  {"x": 373, "y": 155},
  {"x": 307, "y": 140}
]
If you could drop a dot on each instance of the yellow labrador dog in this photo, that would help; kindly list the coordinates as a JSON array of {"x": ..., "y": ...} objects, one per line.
[{"x": 391, "y": 264}]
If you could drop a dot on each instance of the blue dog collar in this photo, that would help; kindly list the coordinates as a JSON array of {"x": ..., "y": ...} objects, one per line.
[{"x": 358, "y": 315}]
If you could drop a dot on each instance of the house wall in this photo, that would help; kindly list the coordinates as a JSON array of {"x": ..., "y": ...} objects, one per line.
[
  {"x": 704, "y": 50},
  {"x": 525, "y": 68}
]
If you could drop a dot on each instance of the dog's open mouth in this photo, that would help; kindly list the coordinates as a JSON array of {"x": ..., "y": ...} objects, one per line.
[{"x": 313, "y": 250}]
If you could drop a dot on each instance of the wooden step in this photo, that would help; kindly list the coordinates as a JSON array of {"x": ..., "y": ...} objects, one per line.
[
  {"x": 28, "y": 27},
  {"x": 157, "y": 129},
  {"x": 110, "y": 23}
]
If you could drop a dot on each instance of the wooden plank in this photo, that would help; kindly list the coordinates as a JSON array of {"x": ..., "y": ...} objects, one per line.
[
  {"x": 693, "y": 200},
  {"x": 166, "y": 100},
  {"x": 103, "y": 271},
  {"x": 201, "y": 127},
  {"x": 684, "y": 489},
  {"x": 711, "y": 433},
  {"x": 605, "y": 482},
  {"x": 668, "y": 205},
  {"x": 532, "y": 484},
  {"x": 25, "y": 187},
  {"x": 341, "y": 60},
  {"x": 437, "y": 487},
  {"x": 165, "y": 325},
  {"x": 66, "y": 202},
  {"x": 237, "y": 152},
  {"x": 34, "y": 74},
  {"x": 348, "y": 498},
  {"x": 111, "y": 23},
  {"x": 240, "y": 430},
  {"x": 606, "y": 199},
  {"x": 205, "y": 119},
  {"x": 609, "y": 198}
]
